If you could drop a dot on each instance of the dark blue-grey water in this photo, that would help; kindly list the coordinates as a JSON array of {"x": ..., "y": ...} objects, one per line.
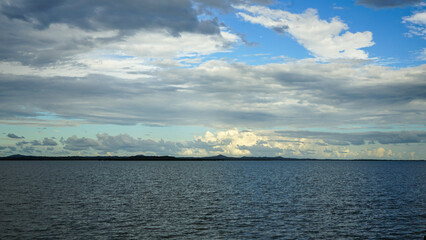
[{"x": 212, "y": 200}]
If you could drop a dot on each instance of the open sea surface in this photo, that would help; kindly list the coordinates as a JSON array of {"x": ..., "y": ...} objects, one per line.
[{"x": 213, "y": 200}]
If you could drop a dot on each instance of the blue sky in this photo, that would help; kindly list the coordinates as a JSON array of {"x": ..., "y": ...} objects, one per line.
[{"x": 317, "y": 79}]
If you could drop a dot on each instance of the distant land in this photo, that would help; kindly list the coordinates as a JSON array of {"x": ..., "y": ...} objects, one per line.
[{"x": 171, "y": 158}]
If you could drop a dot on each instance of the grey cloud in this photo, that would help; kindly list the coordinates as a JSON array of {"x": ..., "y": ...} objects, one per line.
[
  {"x": 44, "y": 142},
  {"x": 337, "y": 142},
  {"x": 28, "y": 149},
  {"x": 401, "y": 137},
  {"x": 209, "y": 147},
  {"x": 12, "y": 135},
  {"x": 321, "y": 144},
  {"x": 234, "y": 95},
  {"x": 49, "y": 142},
  {"x": 204, "y": 6},
  {"x": 342, "y": 139},
  {"x": 78, "y": 26},
  {"x": 36, "y": 143},
  {"x": 122, "y": 142},
  {"x": 246, "y": 42},
  {"x": 175, "y": 15},
  {"x": 262, "y": 151},
  {"x": 78, "y": 144},
  {"x": 23, "y": 35},
  {"x": 120, "y": 103},
  {"x": 8, "y": 148},
  {"x": 387, "y": 3},
  {"x": 20, "y": 42},
  {"x": 281, "y": 30},
  {"x": 308, "y": 152},
  {"x": 22, "y": 143}
]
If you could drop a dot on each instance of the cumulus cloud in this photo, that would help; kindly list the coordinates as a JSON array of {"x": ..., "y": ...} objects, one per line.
[
  {"x": 77, "y": 144},
  {"x": 12, "y": 135},
  {"x": 322, "y": 38},
  {"x": 388, "y": 3},
  {"x": 36, "y": 143},
  {"x": 416, "y": 24},
  {"x": 287, "y": 143},
  {"x": 11, "y": 148},
  {"x": 123, "y": 143},
  {"x": 231, "y": 142},
  {"x": 45, "y": 142},
  {"x": 49, "y": 142},
  {"x": 239, "y": 143},
  {"x": 259, "y": 143},
  {"x": 382, "y": 152}
]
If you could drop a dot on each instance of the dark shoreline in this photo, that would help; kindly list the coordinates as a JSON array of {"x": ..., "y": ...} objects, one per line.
[{"x": 172, "y": 158}]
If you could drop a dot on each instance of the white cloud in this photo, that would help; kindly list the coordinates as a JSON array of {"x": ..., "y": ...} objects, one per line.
[
  {"x": 324, "y": 39},
  {"x": 380, "y": 152},
  {"x": 417, "y": 18},
  {"x": 416, "y": 24},
  {"x": 230, "y": 142},
  {"x": 422, "y": 54},
  {"x": 160, "y": 44},
  {"x": 235, "y": 142}
]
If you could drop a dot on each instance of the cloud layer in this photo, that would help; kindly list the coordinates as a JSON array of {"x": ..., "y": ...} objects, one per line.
[
  {"x": 388, "y": 3},
  {"x": 127, "y": 15},
  {"x": 294, "y": 94}
]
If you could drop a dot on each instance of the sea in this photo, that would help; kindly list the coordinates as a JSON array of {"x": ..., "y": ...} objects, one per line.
[{"x": 213, "y": 200}]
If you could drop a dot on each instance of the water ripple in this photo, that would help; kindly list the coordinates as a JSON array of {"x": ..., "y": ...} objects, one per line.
[{"x": 212, "y": 200}]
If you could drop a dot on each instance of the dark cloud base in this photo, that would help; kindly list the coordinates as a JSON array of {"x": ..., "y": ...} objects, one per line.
[
  {"x": 12, "y": 135},
  {"x": 23, "y": 21},
  {"x": 346, "y": 139},
  {"x": 388, "y": 3}
]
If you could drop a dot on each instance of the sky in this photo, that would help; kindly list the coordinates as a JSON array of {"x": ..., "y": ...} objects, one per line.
[{"x": 307, "y": 79}]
